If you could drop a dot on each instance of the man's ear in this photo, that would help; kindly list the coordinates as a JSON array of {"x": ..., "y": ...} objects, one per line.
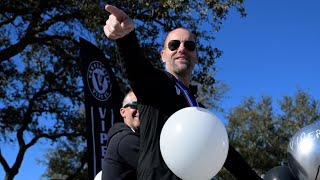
[
  {"x": 162, "y": 56},
  {"x": 122, "y": 112}
]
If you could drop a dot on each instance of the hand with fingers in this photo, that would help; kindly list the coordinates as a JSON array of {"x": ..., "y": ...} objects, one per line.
[{"x": 119, "y": 23}]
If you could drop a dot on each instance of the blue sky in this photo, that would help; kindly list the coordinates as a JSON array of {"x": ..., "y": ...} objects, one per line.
[{"x": 274, "y": 51}]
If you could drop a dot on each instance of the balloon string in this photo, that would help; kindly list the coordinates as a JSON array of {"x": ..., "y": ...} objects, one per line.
[{"x": 317, "y": 173}]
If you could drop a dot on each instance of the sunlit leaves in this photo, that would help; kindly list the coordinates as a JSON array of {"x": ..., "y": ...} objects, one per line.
[{"x": 261, "y": 130}]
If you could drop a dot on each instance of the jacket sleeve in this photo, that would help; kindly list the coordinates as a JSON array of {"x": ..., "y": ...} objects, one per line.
[
  {"x": 143, "y": 77},
  {"x": 238, "y": 167},
  {"x": 129, "y": 149}
]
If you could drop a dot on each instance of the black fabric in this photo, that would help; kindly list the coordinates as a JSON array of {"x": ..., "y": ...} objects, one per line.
[
  {"x": 102, "y": 94},
  {"x": 158, "y": 98},
  {"x": 120, "y": 162}
]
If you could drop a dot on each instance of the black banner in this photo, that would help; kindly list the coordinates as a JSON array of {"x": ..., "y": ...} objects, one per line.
[{"x": 102, "y": 102}]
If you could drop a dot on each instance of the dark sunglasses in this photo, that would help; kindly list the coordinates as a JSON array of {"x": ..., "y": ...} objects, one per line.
[
  {"x": 133, "y": 105},
  {"x": 175, "y": 44}
]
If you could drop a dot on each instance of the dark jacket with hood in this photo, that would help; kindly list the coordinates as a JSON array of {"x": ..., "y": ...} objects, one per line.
[
  {"x": 120, "y": 162},
  {"x": 158, "y": 98}
]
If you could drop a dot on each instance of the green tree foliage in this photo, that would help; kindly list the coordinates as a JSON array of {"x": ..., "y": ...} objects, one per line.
[
  {"x": 68, "y": 160},
  {"x": 41, "y": 87},
  {"x": 261, "y": 131}
]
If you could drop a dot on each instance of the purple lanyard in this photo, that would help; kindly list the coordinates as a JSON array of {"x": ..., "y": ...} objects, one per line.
[{"x": 191, "y": 101}]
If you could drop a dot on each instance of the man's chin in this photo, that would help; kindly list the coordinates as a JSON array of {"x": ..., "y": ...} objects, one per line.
[
  {"x": 183, "y": 67},
  {"x": 182, "y": 61}
]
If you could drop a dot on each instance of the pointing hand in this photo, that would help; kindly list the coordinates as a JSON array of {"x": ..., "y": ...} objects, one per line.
[{"x": 119, "y": 23}]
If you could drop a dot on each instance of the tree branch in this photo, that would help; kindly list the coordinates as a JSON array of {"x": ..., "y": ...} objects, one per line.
[
  {"x": 4, "y": 163},
  {"x": 15, "y": 49}
]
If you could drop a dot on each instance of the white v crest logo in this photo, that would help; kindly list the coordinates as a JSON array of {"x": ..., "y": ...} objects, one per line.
[{"x": 99, "y": 78}]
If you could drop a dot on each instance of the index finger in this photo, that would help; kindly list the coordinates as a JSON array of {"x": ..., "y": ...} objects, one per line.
[{"x": 118, "y": 13}]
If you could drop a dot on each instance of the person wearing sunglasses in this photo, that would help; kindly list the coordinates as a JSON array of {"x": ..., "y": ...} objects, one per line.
[
  {"x": 161, "y": 93},
  {"x": 122, "y": 154}
]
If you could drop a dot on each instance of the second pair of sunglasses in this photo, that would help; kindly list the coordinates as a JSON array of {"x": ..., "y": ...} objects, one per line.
[
  {"x": 175, "y": 44},
  {"x": 133, "y": 105}
]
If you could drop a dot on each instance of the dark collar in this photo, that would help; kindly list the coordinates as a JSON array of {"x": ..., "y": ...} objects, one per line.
[{"x": 193, "y": 89}]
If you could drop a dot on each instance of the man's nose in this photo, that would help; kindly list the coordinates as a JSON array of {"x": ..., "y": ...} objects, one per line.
[{"x": 181, "y": 48}]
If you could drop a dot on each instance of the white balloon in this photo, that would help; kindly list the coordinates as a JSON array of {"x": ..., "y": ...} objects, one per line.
[
  {"x": 98, "y": 176},
  {"x": 194, "y": 143}
]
